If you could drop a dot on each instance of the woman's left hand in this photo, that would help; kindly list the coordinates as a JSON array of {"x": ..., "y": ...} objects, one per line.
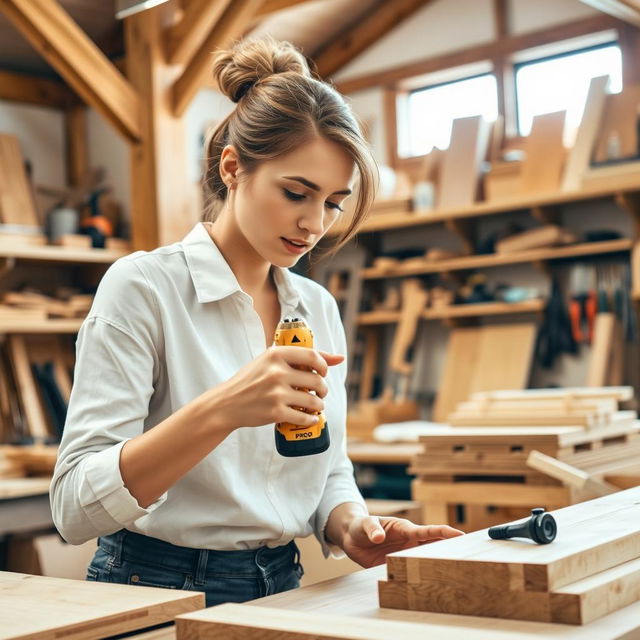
[{"x": 368, "y": 539}]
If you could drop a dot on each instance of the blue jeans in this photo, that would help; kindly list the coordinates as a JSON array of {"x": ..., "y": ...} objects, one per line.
[{"x": 224, "y": 576}]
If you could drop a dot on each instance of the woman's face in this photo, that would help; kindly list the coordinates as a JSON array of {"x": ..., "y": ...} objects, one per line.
[{"x": 286, "y": 205}]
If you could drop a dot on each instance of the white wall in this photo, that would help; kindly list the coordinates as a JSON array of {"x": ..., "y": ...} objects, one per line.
[{"x": 41, "y": 134}]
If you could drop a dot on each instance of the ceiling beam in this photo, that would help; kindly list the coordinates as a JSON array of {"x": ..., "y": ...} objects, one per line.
[
  {"x": 271, "y": 6},
  {"x": 18, "y": 87},
  {"x": 366, "y": 31},
  {"x": 65, "y": 46},
  {"x": 489, "y": 51},
  {"x": 184, "y": 37},
  {"x": 231, "y": 25},
  {"x": 625, "y": 10}
]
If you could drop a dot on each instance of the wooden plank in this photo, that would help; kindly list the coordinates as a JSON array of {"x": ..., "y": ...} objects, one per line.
[
  {"x": 586, "y": 544},
  {"x": 546, "y": 236},
  {"x": 511, "y": 371},
  {"x": 622, "y": 394},
  {"x": 347, "y": 606},
  {"x": 41, "y": 608},
  {"x": 78, "y": 60},
  {"x": 184, "y": 37},
  {"x": 579, "y": 156},
  {"x": 457, "y": 375},
  {"x": 567, "y": 474},
  {"x": 620, "y": 121},
  {"x": 495, "y": 260},
  {"x": 16, "y": 202},
  {"x": 545, "y": 154},
  {"x": 578, "y": 603},
  {"x": 230, "y": 25},
  {"x": 367, "y": 30},
  {"x": 27, "y": 388},
  {"x": 598, "y": 370},
  {"x": 460, "y": 171}
]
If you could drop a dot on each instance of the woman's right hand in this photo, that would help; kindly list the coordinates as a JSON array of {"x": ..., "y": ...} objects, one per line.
[{"x": 267, "y": 389}]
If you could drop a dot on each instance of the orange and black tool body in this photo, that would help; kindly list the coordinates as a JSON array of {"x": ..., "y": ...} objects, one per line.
[{"x": 294, "y": 440}]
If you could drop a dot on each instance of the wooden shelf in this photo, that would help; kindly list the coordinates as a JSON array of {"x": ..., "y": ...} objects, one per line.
[
  {"x": 61, "y": 254},
  {"x": 456, "y": 311},
  {"x": 402, "y": 219},
  {"x": 497, "y": 260},
  {"x": 62, "y": 325}
]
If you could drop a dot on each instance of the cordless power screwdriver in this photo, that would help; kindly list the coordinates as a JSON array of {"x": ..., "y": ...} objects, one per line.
[{"x": 294, "y": 440}]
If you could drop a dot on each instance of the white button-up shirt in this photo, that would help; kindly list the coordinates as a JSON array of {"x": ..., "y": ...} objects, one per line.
[{"x": 165, "y": 326}]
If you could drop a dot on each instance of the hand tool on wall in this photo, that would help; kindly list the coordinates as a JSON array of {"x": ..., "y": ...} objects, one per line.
[{"x": 295, "y": 440}]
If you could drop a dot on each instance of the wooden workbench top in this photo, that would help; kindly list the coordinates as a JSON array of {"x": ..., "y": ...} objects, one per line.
[
  {"x": 347, "y": 607},
  {"x": 39, "y": 608}
]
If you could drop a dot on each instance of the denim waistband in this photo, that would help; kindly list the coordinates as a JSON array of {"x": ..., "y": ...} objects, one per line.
[{"x": 134, "y": 547}]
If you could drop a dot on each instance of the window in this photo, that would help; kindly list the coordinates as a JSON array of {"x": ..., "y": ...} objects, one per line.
[
  {"x": 431, "y": 111},
  {"x": 561, "y": 83}
]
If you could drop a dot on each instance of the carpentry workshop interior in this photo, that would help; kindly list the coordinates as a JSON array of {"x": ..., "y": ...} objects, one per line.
[{"x": 439, "y": 199}]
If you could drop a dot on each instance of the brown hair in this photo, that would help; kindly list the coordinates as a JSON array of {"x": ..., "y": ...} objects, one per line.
[{"x": 281, "y": 104}]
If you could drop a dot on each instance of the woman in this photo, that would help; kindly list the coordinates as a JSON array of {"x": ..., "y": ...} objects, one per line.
[{"x": 168, "y": 452}]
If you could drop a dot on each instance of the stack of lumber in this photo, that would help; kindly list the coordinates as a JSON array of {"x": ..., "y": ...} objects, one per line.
[
  {"x": 590, "y": 570},
  {"x": 585, "y": 407},
  {"x": 479, "y": 475}
]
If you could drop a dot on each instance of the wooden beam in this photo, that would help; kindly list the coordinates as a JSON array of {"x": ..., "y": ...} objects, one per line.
[
  {"x": 271, "y": 6},
  {"x": 183, "y": 38},
  {"x": 231, "y": 25},
  {"x": 629, "y": 40},
  {"x": 78, "y": 60},
  {"x": 625, "y": 10},
  {"x": 18, "y": 87},
  {"x": 160, "y": 192},
  {"x": 390, "y": 119},
  {"x": 76, "y": 144},
  {"x": 366, "y": 31},
  {"x": 479, "y": 53}
]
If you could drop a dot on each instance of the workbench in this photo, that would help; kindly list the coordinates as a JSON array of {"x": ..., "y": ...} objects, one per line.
[{"x": 347, "y": 607}]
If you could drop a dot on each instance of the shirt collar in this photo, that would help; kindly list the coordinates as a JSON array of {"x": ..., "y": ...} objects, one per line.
[{"x": 214, "y": 280}]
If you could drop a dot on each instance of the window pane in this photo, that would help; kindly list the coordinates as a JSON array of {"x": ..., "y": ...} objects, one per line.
[
  {"x": 562, "y": 83},
  {"x": 432, "y": 110}
]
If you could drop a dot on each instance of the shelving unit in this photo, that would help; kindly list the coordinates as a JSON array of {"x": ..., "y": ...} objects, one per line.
[
  {"x": 61, "y": 254},
  {"x": 54, "y": 325},
  {"x": 456, "y": 311},
  {"x": 542, "y": 206},
  {"x": 497, "y": 260}
]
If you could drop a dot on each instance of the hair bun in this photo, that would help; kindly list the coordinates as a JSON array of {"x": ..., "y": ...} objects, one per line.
[{"x": 238, "y": 69}]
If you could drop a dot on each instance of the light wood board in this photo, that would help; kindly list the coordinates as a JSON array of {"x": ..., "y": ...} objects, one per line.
[
  {"x": 580, "y": 154},
  {"x": 545, "y": 154},
  {"x": 587, "y": 543},
  {"x": 460, "y": 172},
  {"x": 620, "y": 116},
  {"x": 347, "y": 608},
  {"x": 472, "y": 364},
  {"x": 41, "y": 608}
]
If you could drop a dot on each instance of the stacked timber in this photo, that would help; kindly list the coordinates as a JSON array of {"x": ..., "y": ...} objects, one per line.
[
  {"x": 476, "y": 476},
  {"x": 591, "y": 569}
]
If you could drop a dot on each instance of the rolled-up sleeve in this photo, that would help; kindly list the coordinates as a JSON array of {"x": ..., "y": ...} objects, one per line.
[
  {"x": 116, "y": 363},
  {"x": 341, "y": 486}
]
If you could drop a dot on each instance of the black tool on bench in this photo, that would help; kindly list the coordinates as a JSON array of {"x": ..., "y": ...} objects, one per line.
[{"x": 541, "y": 527}]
